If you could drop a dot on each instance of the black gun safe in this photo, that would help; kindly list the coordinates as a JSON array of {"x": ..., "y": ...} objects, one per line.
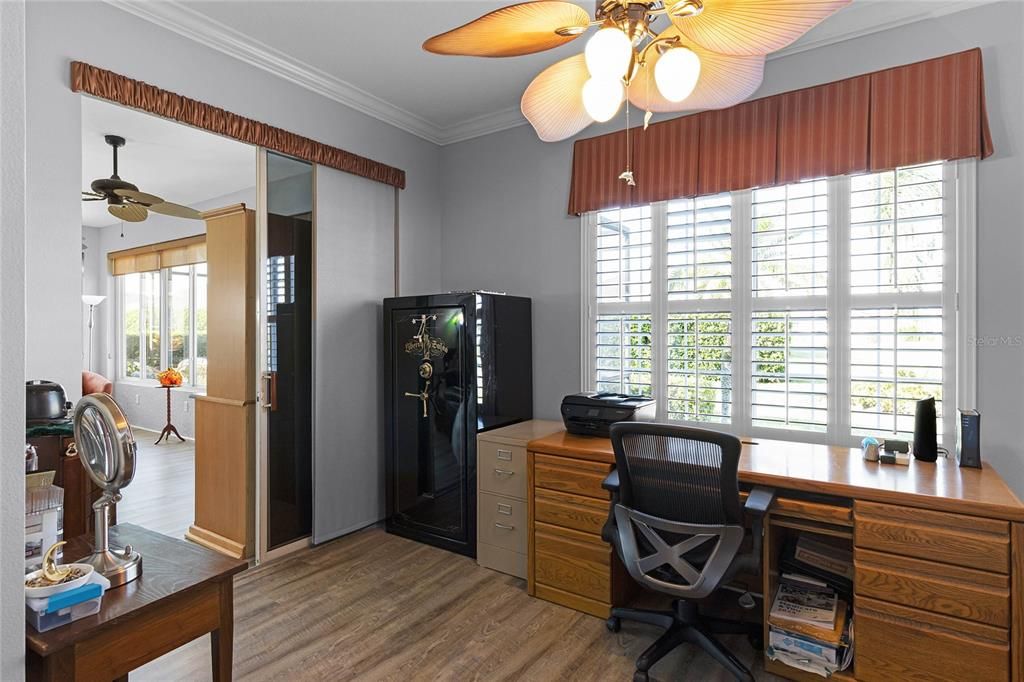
[{"x": 457, "y": 364}]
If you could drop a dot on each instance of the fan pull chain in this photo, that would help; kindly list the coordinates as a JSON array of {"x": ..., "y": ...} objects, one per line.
[{"x": 627, "y": 175}]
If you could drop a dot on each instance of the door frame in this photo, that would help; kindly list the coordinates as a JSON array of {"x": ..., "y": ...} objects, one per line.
[{"x": 263, "y": 552}]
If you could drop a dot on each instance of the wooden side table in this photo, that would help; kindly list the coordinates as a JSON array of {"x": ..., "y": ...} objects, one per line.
[
  {"x": 169, "y": 427},
  {"x": 184, "y": 592}
]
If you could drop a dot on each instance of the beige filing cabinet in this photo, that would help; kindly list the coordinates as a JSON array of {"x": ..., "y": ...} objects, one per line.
[{"x": 501, "y": 494}]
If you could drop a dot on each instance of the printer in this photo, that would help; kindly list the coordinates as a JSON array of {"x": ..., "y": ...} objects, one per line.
[{"x": 590, "y": 413}]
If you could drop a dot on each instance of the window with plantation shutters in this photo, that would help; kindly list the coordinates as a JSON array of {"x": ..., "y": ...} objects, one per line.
[{"x": 821, "y": 310}]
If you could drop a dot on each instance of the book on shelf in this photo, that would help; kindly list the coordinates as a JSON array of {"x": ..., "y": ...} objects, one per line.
[
  {"x": 824, "y": 555},
  {"x": 804, "y": 606},
  {"x": 831, "y": 634},
  {"x": 820, "y": 561},
  {"x": 805, "y": 581}
]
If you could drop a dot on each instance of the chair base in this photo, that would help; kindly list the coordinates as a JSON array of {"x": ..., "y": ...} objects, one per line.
[{"x": 684, "y": 624}]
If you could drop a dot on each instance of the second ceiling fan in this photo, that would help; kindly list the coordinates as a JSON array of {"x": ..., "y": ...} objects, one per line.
[
  {"x": 710, "y": 56},
  {"x": 125, "y": 201}
]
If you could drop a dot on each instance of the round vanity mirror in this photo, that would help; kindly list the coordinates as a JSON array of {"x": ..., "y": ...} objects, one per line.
[
  {"x": 107, "y": 450},
  {"x": 105, "y": 442}
]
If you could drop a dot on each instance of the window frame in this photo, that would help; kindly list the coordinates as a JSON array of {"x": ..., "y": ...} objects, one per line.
[
  {"x": 165, "y": 314},
  {"x": 957, "y": 299}
]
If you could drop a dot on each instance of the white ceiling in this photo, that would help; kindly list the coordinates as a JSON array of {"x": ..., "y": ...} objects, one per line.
[
  {"x": 367, "y": 54},
  {"x": 174, "y": 161}
]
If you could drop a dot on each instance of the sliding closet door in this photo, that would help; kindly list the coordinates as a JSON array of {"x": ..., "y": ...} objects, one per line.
[{"x": 355, "y": 258}]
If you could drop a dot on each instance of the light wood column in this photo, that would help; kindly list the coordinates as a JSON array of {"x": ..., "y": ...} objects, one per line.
[{"x": 225, "y": 420}]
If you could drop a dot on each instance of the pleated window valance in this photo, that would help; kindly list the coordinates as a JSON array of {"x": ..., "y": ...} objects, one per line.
[
  {"x": 927, "y": 111},
  {"x": 185, "y": 251}
]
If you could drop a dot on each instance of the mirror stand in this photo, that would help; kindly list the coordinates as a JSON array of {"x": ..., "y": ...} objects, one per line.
[{"x": 118, "y": 567}]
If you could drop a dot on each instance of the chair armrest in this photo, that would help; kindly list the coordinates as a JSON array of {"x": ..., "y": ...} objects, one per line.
[
  {"x": 611, "y": 482},
  {"x": 758, "y": 501}
]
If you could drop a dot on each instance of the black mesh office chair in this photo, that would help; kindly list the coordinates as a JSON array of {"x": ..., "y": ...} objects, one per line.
[{"x": 677, "y": 524}]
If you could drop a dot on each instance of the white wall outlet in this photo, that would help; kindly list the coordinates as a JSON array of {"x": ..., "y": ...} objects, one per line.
[
  {"x": 187, "y": 401},
  {"x": 137, "y": 399}
]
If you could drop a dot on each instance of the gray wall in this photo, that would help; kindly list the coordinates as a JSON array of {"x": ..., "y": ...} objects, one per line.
[
  {"x": 505, "y": 224},
  {"x": 59, "y": 32},
  {"x": 12, "y": 336}
]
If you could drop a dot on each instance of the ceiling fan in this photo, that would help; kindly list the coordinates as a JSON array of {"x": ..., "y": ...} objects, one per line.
[
  {"x": 125, "y": 201},
  {"x": 710, "y": 56}
]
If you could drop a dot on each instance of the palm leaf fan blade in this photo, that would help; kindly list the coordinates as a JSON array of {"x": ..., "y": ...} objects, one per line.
[
  {"x": 553, "y": 102},
  {"x": 513, "y": 31},
  {"x": 751, "y": 27},
  {"x": 130, "y": 213},
  {"x": 176, "y": 210}
]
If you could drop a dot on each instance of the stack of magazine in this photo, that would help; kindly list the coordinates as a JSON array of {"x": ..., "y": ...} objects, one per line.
[{"x": 809, "y": 622}]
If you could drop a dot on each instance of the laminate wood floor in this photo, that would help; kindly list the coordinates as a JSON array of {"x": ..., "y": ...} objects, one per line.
[
  {"x": 373, "y": 606},
  {"x": 161, "y": 497}
]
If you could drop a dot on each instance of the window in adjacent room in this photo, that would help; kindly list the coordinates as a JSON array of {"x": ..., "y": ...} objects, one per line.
[
  {"x": 820, "y": 310},
  {"x": 162, "y": 322}
]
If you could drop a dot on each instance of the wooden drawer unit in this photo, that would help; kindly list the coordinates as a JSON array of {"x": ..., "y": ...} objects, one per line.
[
  {"x": 568, "y": 475},
  {"x": 572, "y": 561},
  {"x": 955, "y": 539},
  {"x": 584, "y": 514},
  {"x": 955, "y": 591},
  {"x": 502, "y": 468},
  {"x": 502, "y": 522},
  {"x": 900, "y": 643}
]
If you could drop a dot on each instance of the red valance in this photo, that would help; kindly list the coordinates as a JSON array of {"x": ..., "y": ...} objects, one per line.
[
  {"x": 737, "y": 146},
  {"x": 823, "y": 131},
  {"x": 927, "y": 111}
]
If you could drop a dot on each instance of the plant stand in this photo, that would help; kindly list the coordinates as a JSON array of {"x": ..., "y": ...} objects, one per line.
[{"x": 169, "y": 427}]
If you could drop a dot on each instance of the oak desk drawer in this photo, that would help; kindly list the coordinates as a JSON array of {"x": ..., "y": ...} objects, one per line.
[
  {"x": 569, "y": 475},
  {"x": 935, "y": 536},
  {"x": 570, "y": 511},
  {"x": 502, "y": 468},
  {"x": 950, "y": 590},
  {"x": 576, "y": 562},
  {"x": 502, "y": 522},
  {"x": 899, "y": 643}
]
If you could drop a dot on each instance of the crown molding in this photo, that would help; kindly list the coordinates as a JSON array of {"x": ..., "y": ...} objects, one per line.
[
  {"x": 213, "y": 34},
  {"x": 196, "y": 26}
]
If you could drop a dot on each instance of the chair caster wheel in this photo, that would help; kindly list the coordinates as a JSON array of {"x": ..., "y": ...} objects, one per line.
[
  {"x": 640, "y": 676},
  {"x": 614, "y": 624}
]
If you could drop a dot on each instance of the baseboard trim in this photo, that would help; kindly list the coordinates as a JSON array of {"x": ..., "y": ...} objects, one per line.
[{"x": 216, "y": 542}]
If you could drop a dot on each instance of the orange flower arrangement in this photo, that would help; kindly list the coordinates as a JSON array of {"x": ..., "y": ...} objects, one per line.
[{"x": 169, "y": 377}]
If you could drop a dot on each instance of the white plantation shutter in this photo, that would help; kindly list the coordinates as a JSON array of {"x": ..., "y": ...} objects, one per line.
[
  {"x": 789, "y": 370},
  {"x": 821, "y": 310}
]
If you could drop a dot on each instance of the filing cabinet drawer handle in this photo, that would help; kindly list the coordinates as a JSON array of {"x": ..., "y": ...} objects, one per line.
[
  {"x": 503, "y": 526},
  {"x": 504, "y": 472}
]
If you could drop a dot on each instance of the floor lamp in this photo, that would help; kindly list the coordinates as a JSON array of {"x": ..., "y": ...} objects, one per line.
[{"x": 91, "y": 300}]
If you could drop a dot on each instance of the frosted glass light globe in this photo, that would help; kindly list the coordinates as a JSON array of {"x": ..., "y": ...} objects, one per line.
[
  {"x": 608, "y": 53},
  {"x": 602, "y": 97},
  {"x": 676, "y": 73}
]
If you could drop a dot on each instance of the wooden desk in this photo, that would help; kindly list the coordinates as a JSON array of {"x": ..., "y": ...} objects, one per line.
[
  {"x": 938, "y": 550},
  {"x": 185, "y": 591}
]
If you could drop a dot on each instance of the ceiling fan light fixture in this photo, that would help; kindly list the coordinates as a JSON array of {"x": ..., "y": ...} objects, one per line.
[
  {"x": 608, "y": 54},
  {"x": 602, "y": 98},
  {"x": 676, "y": 73}
]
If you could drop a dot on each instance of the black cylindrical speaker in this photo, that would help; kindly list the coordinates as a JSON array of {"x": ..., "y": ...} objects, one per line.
[{"x": 926, "y": 447}]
